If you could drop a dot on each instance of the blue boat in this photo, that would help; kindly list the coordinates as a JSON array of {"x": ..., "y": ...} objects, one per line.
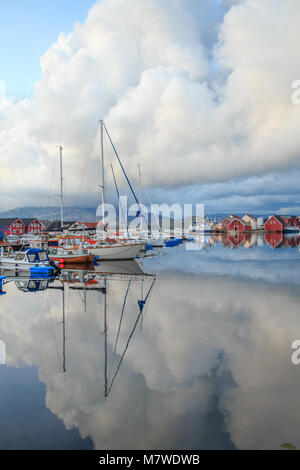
[{"x": 32, "y": 260}]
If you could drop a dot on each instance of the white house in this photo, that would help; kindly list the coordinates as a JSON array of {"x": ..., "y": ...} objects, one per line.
[{"x": 250, "y": 219}]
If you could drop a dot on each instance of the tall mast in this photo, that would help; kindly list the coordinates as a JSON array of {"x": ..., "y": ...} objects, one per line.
[
  {"x": 64, "y": 330},
  {"x": 140, "y": 183},
  {"x": 105, "y": 339},
  {"x": 61, "y": 189},
  {"x": 140, "y": 191},
  {"x": 102, "y": 167}
]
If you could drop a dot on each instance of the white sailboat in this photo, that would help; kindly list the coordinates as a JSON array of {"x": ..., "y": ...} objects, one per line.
[{"x": 116, "y": 251}]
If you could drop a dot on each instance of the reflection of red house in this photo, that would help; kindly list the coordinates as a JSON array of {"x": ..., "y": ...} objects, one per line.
[
  {"x": 274, "y": 239},
  {"x": 235, "y": 239},
  {"x": 233, "y": 223}
]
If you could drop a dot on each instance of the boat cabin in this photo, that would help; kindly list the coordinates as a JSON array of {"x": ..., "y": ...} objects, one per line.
[{"x": 33, "y": 255}]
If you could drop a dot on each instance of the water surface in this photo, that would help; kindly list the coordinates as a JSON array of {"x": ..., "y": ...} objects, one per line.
[{"x": 196, "y": 355}]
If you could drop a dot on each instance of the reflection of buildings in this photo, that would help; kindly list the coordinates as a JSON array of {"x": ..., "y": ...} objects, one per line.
[
  {"x": 235, "y": 239},
  {"x": 279, "y": 240},
  {"x": 274, "y": 239},
  {"x": 250, "y": 240}
]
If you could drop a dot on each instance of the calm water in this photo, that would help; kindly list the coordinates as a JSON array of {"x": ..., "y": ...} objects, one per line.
[{"x": 195, "y": 356}]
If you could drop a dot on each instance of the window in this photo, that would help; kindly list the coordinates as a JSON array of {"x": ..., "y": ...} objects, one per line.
[
  {"x": 43, "y": 256},
  {"x": 20, "y": 256}
]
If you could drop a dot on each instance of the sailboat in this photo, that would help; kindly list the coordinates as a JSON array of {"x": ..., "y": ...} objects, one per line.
[{"x": 105, "y": 250}]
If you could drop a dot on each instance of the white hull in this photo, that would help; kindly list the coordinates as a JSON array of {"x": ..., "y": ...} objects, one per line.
[
  {"x": 13, "y": 264},
  {"x": 115, "y": 252}
]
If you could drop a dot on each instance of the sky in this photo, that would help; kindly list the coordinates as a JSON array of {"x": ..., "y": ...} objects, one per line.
[
  {"x": 27, "y": 30},
  {"x": 197, "y": 92}
]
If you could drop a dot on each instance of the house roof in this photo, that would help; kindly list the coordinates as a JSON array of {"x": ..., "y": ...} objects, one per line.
[
  {"x": 277, "y": 217},
  {"x": 239, "y": 219},
  {"x": 55, "y": 225},
  {"x": 6, "y": 222},
  {"x": 88, "y": 224},
  {"x": 28, "y": 221},
  {"x": 250, "y": 217}
]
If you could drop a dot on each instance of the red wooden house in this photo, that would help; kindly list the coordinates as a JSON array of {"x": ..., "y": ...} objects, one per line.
[
  {"x": 233, "y": 223},
  {"x": 276, "y": 223},
  {"x": 33, "y": 226},
  {"x": 22, "y": 226}
]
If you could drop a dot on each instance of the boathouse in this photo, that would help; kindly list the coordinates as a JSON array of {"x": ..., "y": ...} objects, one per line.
[
  {"x": 250, "y": 219},
  {"x": 276, "y": 223},
  {"x": 234, "y": 223}
]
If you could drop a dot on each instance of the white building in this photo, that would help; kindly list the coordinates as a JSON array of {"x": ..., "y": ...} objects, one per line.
[{"x": 250, "y": 219}]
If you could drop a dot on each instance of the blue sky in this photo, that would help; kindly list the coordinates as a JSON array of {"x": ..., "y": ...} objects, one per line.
[{"x": 27, "y": 29}]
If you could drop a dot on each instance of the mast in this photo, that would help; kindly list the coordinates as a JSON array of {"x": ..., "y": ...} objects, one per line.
[
  {"x": 102, "y": 168},
  {"x": 140, "y": 191},
  {"x": 64, "y": 330},
  {"x": 61, "y": 189},
  {"x": 140, "y": 183},
  {"x": 105, "y": 339}
]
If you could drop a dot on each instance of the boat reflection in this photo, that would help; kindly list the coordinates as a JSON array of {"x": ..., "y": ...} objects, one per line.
[
  {"x": 26, "y": 283},
  {"x": 98, "y": 279}
]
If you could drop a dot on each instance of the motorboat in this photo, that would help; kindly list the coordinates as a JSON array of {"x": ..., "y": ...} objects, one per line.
[{"x": 34, "y": 260}]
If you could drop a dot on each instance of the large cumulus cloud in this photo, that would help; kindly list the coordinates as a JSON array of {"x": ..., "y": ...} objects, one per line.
[{"x": 199, "y": 92}]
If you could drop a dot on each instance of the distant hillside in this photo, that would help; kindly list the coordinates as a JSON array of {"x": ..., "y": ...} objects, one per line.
[{"x": 86, "y": 214}]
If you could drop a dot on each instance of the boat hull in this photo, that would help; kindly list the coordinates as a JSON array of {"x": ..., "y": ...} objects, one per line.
[
  {"x": 117, "y": 252},
  {"x": 76, "y": 259}
]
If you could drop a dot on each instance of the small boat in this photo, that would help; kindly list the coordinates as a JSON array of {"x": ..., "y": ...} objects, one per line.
[
  {"x": 34, "y": 260},
  {"x": 66, "y": 256},
  {"x": 117, "y": 251},
  {"x": 291, "y": 229}
]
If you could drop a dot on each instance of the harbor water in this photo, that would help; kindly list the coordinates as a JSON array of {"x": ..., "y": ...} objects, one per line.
[{"x": 188, "y": 349}]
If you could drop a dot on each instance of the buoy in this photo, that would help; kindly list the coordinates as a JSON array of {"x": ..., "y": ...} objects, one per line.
[{"x": 61, "y": 261}]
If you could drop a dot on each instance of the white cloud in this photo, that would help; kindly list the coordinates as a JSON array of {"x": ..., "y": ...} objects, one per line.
[{"x": 192, "y": 110}]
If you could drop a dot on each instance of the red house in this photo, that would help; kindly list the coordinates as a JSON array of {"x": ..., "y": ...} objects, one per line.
[
  {"x": 17, "y": 227},
  {"x": 21, "y": 226},
  {"x": 33, "y": 226},
  {"x": 276, "y": 223},
  {"x": 233, "y": 223}
]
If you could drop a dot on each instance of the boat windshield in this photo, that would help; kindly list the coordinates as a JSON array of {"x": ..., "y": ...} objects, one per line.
[
  {"x": 35, "y": 255},
  {"x": 43, "y": 256},
  {"x": 20, "y": 256}
]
